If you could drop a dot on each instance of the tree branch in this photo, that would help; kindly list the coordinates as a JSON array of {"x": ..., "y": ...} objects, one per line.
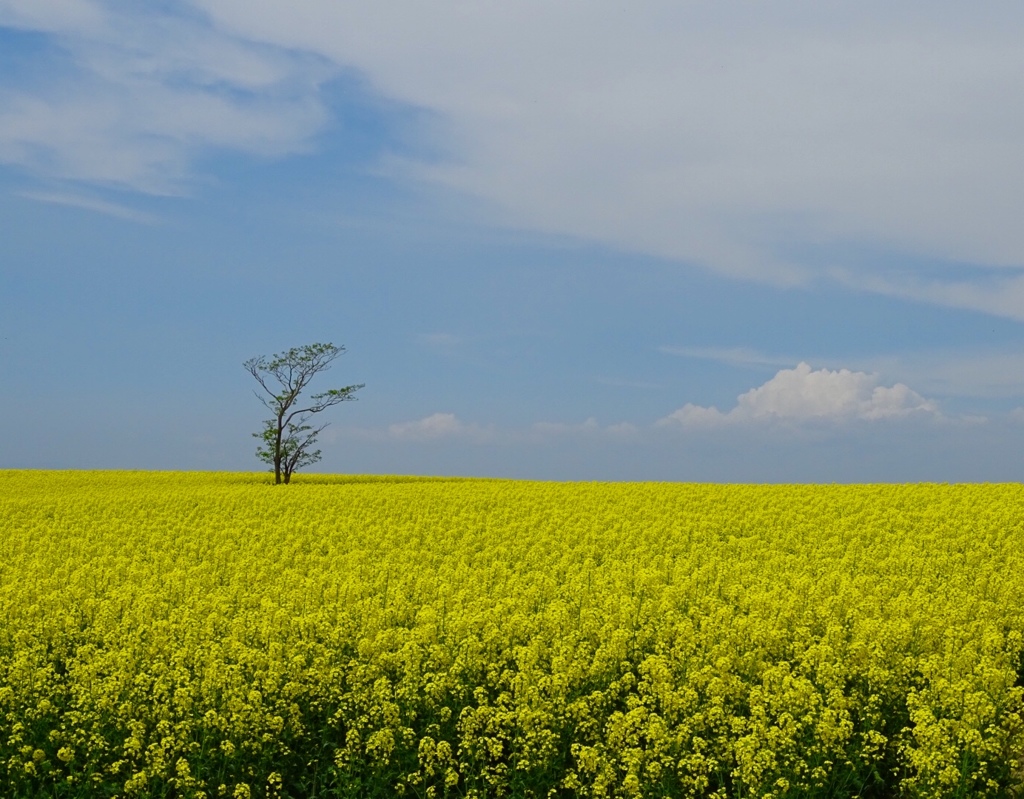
[{"x": 288, "y": 438}]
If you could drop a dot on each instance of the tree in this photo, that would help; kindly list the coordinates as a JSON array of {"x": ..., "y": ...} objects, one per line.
[{"x": 288, "y": 438}]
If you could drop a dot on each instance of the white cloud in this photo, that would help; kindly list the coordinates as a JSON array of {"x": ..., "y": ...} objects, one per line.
[
  {"x": 52, "y": 16},
  {"x": 561, "y": 428},
  {"x": 146, "y": 93},
  {"x": 990, "y": 373},
  {"x": 999, "y": 295},
  {"x": 734, "y": 356},
  {"x": 691, "y": 415},
  {"x": 715, "y": 132},
  {"x": 92, "y": 204},
  {"x": 589, "y": 428},
  {"x": 803, "y": 394},
  {"x": 616, "y": 382},
  {"x": 718, "y": 133},
  {"x": 439, "y": 426}
]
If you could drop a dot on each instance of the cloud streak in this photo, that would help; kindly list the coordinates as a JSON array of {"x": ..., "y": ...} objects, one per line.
[
  {"x": 94, "y": 204},
  {"x": 439, "y": 427},
  {"x": 733, "y": 356}
]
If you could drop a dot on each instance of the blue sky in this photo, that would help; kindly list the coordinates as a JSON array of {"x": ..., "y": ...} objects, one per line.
[{"x": 713, "y": 241}]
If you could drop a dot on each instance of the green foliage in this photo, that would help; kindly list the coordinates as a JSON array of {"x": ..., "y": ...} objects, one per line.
[
  {"x": 288, "y": 437},
  {"x": 292, "y": 451}
]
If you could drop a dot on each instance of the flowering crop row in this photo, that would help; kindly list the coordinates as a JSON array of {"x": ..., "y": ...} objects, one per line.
[{"x": 191, "y": 635}]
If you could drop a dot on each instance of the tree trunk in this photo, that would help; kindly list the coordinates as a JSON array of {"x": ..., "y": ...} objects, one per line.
[{"x": 277, "y": 450}]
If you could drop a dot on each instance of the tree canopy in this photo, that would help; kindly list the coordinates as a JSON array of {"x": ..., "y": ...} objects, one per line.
[{"x": 288, "y": 438}]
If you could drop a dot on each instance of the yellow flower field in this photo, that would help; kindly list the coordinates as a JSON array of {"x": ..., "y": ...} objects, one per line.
[{"x": 190, "y": 634}]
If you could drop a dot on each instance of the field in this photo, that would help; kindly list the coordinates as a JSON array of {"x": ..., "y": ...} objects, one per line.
[{"x": 188, "y": 635}]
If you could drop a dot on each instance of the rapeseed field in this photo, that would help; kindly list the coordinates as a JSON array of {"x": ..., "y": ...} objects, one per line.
[{"x": 211, "y": 635}]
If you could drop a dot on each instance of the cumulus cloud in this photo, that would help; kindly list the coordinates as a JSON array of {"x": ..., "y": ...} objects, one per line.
[
  {"x": 988, "y": 372},
  {"x": 803, "y": 393},
  {"x": 439, "y": 426},
  {"x": 691, "y": 415}
]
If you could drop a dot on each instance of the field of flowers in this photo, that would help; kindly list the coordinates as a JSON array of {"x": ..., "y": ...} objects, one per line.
[{"x": 190, "y": 635}]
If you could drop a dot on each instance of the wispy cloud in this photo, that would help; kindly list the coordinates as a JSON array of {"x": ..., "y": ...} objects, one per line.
[
  {"x": 437, "y": 428},
  {"x": 734, "y": 356},
  {"x": 998, "y": 292},
  {"x": 983, "y": 373},
  {"x": 92, "y": 204},
  {"x": 142, "y": 93},
  {"x": 53, "y": 16},
  {"x": 621, "y": 383},
  {"x": 721, "y": 134}
]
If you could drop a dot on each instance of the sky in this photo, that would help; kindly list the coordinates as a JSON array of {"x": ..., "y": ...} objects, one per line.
[{"x": 684, "y": 241}]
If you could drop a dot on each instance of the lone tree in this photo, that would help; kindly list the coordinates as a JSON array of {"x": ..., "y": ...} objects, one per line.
[{"x": 288, "y": 438}]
